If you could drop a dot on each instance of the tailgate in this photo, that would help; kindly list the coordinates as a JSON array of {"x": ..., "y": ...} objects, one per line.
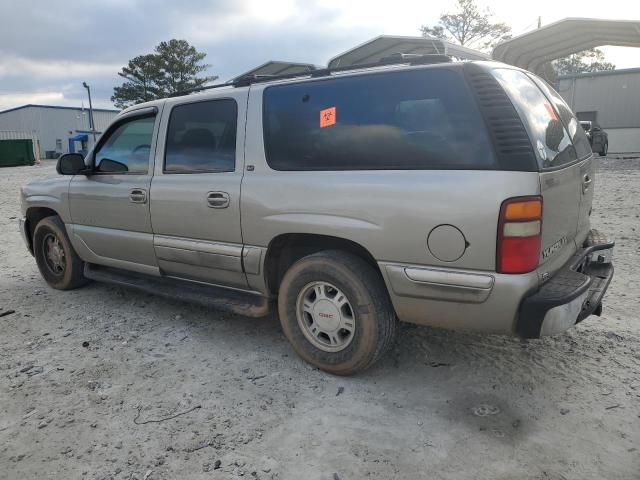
[
  {"x": 560, "y": 191},
  {"x": 565, "y": 181},
  {"x": 587, "y": 182}
]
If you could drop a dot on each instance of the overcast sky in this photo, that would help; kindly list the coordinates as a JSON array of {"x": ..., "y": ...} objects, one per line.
[{"x": 48, "y": 48}]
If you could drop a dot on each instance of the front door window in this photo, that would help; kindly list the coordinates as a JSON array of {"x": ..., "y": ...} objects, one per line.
[{"x": 127, "y": 149}]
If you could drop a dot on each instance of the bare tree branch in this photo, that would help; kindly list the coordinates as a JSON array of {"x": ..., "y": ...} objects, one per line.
[{"x": 469, "y": 26}]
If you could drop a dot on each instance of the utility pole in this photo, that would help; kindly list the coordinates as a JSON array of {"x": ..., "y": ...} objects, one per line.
[
  {"x": 539, "y": 22},
  {"x": 91, "y": 124}
]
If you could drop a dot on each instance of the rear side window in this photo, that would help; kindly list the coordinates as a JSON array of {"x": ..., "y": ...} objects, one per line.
[
  {"x": 419, "y": 119},
  {"x": 580, "y": 140},
  {"x": 202, "y": 137},
  {"x": 551, "y": 141}
]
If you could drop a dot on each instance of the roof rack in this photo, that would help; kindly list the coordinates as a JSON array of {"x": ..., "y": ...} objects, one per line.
[
  {"x": 277, "y": 67},
  {"x": 198, "y": 89},
  {"x": 414, "y": 59},
  {"x": 393, "y": 59}
]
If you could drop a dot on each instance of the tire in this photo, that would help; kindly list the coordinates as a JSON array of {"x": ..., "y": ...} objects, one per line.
[
  {"x": 368, "y": 310},
  {"x": 65, "y": 271},
  {"x": 595, "y": 237},
  {"x": 605, "y": 150}
]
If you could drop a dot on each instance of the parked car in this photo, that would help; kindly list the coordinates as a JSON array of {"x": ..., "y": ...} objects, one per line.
[
  {"x": 598, "y": 138},
  {"x": 440, "y": 193}
]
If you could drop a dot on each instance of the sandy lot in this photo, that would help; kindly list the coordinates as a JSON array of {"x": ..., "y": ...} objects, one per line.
[{"x": 440, "y": 406}]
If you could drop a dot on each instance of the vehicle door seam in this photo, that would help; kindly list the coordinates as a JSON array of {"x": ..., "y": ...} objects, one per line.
[{"x": 244, "y": 163}]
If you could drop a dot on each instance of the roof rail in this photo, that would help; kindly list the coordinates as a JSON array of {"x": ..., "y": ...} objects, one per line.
[
  {"x": 394, "y": 59},
  {"x": 197, "y": 89},
  {"x": 414, "y": 59}
]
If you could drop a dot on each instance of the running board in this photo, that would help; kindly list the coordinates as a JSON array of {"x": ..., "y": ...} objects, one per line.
[{"x": 218, "y": 298}]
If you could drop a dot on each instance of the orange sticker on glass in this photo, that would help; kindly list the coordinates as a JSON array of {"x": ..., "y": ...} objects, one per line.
[
  {"x": 551, "y": 111},
  {"x": 327, "y": 117}
]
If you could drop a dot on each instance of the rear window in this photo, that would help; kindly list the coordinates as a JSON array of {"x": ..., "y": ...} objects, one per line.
[
  {"x": 417, "y": 119},
  {"x": 580, "y": 140},
  {"x": 552, "y": 143}
]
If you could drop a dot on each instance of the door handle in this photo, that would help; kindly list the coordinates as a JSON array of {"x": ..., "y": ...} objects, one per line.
[
  {"x": 586, "y": 182},
  {"x": 138, "y": 195},
  {"x": 217, "y": 199}
]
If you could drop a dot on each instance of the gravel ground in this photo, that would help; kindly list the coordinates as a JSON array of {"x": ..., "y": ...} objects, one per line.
[{"x": 90, "y": 377}]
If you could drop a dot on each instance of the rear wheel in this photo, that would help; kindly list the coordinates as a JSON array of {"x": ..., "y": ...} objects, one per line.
[
  {"x": 605, "y": 150},
  {"x": 57, "y": 261},
  {"x": 335, "y": 311}
]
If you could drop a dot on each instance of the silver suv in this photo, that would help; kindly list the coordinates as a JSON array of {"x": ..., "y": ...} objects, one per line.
[{"x": 441, "y": 193}]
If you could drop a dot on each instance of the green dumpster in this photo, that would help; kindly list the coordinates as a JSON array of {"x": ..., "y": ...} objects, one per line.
[{"x": 16, "y": 152}]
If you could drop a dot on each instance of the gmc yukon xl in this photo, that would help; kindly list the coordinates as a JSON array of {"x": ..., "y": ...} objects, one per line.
[{"x": 449, "y": 194}]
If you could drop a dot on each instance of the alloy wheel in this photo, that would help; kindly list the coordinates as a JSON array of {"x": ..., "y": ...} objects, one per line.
[{"x": 325, "y": 316}]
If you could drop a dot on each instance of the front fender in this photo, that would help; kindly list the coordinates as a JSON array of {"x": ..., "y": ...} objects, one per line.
[{"x": 51, "y": 193}]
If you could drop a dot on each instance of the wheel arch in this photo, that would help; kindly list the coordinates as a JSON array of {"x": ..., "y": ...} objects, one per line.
[
  {"x": 32, "y": 218},
  {"x": 286, "y": 249}
]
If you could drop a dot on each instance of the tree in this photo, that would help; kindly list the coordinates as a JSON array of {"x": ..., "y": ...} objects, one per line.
[
  {"x": 141, "y": 74},
  {"x": 173, "y": 67},
  {"x": 469, "y": 26},
  {"x": 591, "y": 60}
]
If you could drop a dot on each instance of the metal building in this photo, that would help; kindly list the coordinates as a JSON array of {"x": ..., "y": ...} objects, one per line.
[
  {"x": 384, "y": 45},
  {"x": 57, "y": 129},
  {"x": 276, "y": 67},
  {"x": 611, "y": 99}
]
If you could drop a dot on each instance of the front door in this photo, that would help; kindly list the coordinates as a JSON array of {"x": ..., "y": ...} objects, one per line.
[
  {"x": 110, "y": 208},
  {"x": 195, "y": 192}
]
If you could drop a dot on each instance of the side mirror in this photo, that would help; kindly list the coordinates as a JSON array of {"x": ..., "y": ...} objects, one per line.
[
  {"x": 112, "y": 166},
  {"x": 71, "y": 164}
]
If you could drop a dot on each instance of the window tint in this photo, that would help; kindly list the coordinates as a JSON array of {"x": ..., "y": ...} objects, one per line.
[
  {"x": 128, "y": 148},
  {"x": 580, "y": 140},
  {"x": 202, "y": 137},
  {"x": 551, "y": 141},
  {"x": 416, "y": 119}
]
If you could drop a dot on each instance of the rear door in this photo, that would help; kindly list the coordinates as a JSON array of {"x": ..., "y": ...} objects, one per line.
[
  {"x": 560, "y": 170},
  {"x": 195, "y": 193},
  {"x": 583, "y": 152}
]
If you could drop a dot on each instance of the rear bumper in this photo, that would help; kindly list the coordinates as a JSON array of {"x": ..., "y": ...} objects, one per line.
[
  {"x": 456, "y": 299},
  {"x": 570, "y": 296}
]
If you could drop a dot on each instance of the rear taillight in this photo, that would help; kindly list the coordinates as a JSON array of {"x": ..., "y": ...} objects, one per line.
[{"x": 519, "y": 235}]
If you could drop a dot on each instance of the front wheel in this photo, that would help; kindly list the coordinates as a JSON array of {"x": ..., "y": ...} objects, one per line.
[
  {"x": 57, "y": 261},
  {"x": 336, "y": 312}
]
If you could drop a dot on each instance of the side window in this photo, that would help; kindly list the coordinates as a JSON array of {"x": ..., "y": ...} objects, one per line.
[
  {"x": 551, "y": 140},
  {"x": 201, "y": 137},
  {"x": 580, "y": 140},
  {"x": 409, "y": 120},
  {"x": 128, "y": 148}
]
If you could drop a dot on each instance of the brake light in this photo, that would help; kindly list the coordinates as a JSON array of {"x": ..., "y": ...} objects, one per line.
[{"x": 519, "y": 235}]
